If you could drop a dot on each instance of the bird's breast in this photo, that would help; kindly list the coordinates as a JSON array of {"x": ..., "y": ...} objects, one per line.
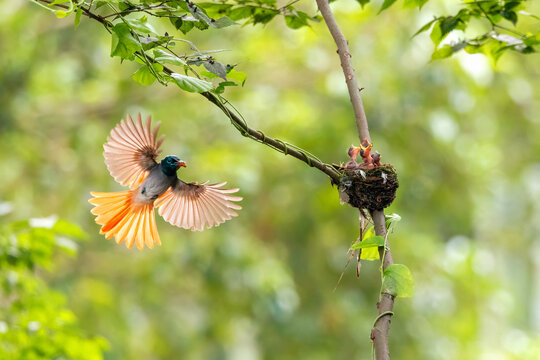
[{"x": 153, "y": 187}]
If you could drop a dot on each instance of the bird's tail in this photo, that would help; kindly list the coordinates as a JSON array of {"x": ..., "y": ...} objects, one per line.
[{"x": 121, "y": 217}]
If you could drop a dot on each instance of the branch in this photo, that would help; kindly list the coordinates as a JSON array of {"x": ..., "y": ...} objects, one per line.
[
  {"x": 239, "y": 123},
  {"x": 348, "y": 71},
  {"x": 379, "y": 333}
]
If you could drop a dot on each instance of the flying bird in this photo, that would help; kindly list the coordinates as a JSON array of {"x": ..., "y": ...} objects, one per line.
[{"x": 130, "y": 155}]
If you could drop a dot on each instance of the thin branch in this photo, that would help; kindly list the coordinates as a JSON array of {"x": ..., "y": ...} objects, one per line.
[
  {"x": 239, "y": 123},
  {"x": 381, "y": 326},
  {"x": 348, "y": 71}
]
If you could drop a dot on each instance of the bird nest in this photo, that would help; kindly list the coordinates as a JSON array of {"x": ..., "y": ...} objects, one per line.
[{"x": 373, "y": 189}]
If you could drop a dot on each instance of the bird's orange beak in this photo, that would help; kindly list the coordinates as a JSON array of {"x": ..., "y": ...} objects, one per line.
[{"x": 181, "y": 163}]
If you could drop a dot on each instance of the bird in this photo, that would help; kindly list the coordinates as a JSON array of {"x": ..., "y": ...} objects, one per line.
[
  {"x": 130, "y": 152},
  {"x": 370, "y": 161}
]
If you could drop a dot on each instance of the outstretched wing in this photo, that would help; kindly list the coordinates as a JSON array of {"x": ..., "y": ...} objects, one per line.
[
  {"x": 196, "y": 206},
  {"x": 131, "y": 150}
]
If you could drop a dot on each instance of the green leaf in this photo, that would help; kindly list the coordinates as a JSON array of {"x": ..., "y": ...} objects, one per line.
[
  {"x": 409, "y": 4},
  {"x": 141, "y": 25},
  {"x": 166, "y": 58},
  {"x": 221, "y": 87},
  {"x": 216, "y": 68},
  {"x": 222, "y": 22},
  {"x": 214, "y": 9},
  {"x": 61, "y": 14},
  {"x": 263, "y": 15},
  {"x": 373, "y": 241},
  {"x": 363, "y": 2},
  {"x": 123, "y": 43},
  {"x": 185, "y": 26},
  {"x": 425, "y": 27},
  {"x": 442, "y": 53},
  {"x": 445, "y": 25},
  {"x": 370, "y": 254},
  {"x": 69, "y": 229},
  {"x": 510, "y": 16},
  {"x": 392, "y": 219},
  {"x": 144, "y": 75},
  {"x": 398, "y": 281},
  {"x": 240, "y": 13},
  {"x": 297, "y": 21},
  {"x": 78, "y": 17},
  {"x": 386, "y": 4},
  {"x": 191, "y": 84},
  {"x": 532, "y": 40},
  {"x": 237, "y": 76}
]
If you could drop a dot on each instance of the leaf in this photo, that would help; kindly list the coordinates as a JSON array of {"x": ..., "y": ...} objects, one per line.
[
  {"x": 370, "y": 254},
  {"x": 237, "y": 76},
  {"x": 191, "y": 84},
  {"x": 221, "y": 87},
  {"x": 216, "y": 68},
  {"x": 186, "y": 26},
  {"x": 409, "y": 4},
  {"x": 166, "y": 58},
  {"x": 532, "y": 40},
  {"x": 215, "y": 9},
  {"x": 442, "y": 53},
  {"x": 300, "y": 19},
  {"x": 373, "y": 241},
  {"x": 141, "y": 25},
  {"x": 392, "y": 219},
  {"x": 263, "y": 15},
  {"x": 240, "y": 13},
  {"x": 222, "y": 22},
  {"x": 510, "y": 16},
  {"x": 398, "y": 281},
  {"x": 67, "y": 228},
  {"x": 363, "y": 2},
  {"x": 61, "y": 14},
  {"x": 78, "y": 17},
  {"x": 144, "y": 75},
  {"x": 425, "y": 27},
  {"x": 386, "y": 4},
  {"x": 446, "y": 24},
  {"x": 123, "y": 43}
]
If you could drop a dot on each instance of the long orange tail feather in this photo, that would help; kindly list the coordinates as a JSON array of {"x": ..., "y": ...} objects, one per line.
[{"x": 122, "y": 218}]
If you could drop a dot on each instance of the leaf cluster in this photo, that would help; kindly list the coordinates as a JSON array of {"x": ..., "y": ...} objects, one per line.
[
  {"x": 502, "y": 18},
  {"x": 34, "y": 322}
]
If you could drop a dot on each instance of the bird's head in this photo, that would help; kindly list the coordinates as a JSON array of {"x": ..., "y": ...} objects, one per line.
[{"x": 172, "y": 163}]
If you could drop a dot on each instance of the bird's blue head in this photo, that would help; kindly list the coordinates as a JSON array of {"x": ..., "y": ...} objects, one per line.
[{"x": 170, "y": 164}]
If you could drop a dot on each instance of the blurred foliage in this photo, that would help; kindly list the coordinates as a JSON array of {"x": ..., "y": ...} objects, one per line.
[
  {"x": 34, "y": 323},
  {"x": 462, "y": 134}
]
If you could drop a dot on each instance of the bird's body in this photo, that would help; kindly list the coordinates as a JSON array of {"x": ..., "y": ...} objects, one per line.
[
  {"x": 130, "y": 155},
  {"x": 155, "y": 184}
]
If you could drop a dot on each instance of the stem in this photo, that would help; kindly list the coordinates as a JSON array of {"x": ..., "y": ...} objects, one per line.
[
  {"x": 348, "y": 71},
  {"x": 381, "y": 326}
]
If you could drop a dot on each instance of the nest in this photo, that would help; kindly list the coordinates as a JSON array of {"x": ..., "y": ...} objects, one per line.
[{"x": 372, "y": 189}]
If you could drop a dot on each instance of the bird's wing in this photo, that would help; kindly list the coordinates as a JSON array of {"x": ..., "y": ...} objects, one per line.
[
  {"x": 131, "y": 150},
  {"x": 196, "y": 206}
]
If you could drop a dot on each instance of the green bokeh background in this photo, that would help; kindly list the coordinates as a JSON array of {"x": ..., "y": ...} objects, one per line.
[{"x": 463, "y": 135}]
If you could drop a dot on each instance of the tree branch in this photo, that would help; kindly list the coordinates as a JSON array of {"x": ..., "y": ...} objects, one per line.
[
  {"x": 238, "y": 122},
  {"x": 379, "y": 333},
  {"x": 348, "y": 71}
]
